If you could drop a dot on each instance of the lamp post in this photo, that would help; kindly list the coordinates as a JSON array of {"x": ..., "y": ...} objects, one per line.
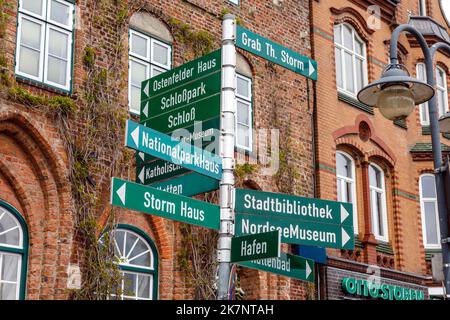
[{"x": 396, "y": 94}]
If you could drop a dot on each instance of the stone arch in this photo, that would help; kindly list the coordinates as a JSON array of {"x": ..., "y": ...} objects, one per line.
[
  {"x": 243, "y": 66},
  {"x": 33, "y": 170},
  {"x": 353, "y": 18},
  {"x": 147, "y": 23}
]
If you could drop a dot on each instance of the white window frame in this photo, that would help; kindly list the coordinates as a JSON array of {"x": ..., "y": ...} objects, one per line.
[
  {"x": 68, "y": 61},
  {"x": 422, "y": 213},
  {"x": 342, "y": 180},
  {"x": 443, "y": 89},
  {"x": 148, "y": 61},
  {"x": 46, "y": 23},
  {"x": 354, "y": 55},
  {"x": 247, "y": 101},
  {"x": 424, "y": 118},
  {"x": 373, "y": 191},
  {"x": 4, "y": 211}
]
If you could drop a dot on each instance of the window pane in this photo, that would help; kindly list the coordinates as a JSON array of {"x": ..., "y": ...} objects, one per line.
[
  {"x": 359, "y": 74},
  {"x": 380, "y": 213},
  {"x": 156, "y": 71},
  {"x": 143, "y": 260},
  {"x": 348, "y": 38},
  {"x": 138, "y": 73},
  {"x": 440, "y": 77},
  {"x": 135, "y": 99},
  {"x": 428, "y": 187},
  {"x": 337, "y": 34},
  {"x": 359, "y": 47},
  {"x": 30, "y": 34},
  {"x": 143, "y": 286},
  {"x": 430, "y": 222},
  {"x": 343, "y": 165},
  {"x": 8, "y": 291},
  {"x": 374, "y": 177},
  {"x": 58, "y": 44},
  {"x": 242, "y": 113},
  {"x": 350, "y": 86},
  {"x": 243, "y": 137},
  {"x": 118, "y": 237},
  {"x": 139, "y": 45},
  {"x": 9, "y": 267},
  {"x": 131, "y": 239},
  {"x": 243, "y": 87},
  {"x": 34, "y": 6},
  {"x": 339, "y": 80},
  {"x": 60, "y": 12},
  {"x": 141, "y": 247},
  {"x": 56, "y": 70},
  {"x": 29, "y": 61},
  {"x": 160, "y": 54},
  {"x": 424, "y": 113},
  {"x": 11, "y": 237},
  {"x": 129, "y": 284}
]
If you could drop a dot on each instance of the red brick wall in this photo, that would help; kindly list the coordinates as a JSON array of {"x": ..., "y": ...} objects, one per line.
[
  {"x": 33, "y": 159},
  {"x": 389, "y": 144}
]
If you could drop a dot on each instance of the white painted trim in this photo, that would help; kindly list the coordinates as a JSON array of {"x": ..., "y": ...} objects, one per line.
[
  {"x": 68, "y": 27},
  {"x": 169, "y": 53},
  {"x": 342, "y": 179},
  {"x": 69, "y": 34},
  {"x": 382, "y": 191},
  {"x": 422, "y": 214},
  {"x": 41, "y": 49}
]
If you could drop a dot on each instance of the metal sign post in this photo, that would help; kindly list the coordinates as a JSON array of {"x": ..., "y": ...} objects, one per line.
[{"x": 227, "y": 142}]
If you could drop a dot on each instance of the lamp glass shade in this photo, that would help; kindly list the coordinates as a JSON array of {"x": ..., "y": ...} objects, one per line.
[
  {"x": 396, "y": 102},
  {"x": 444, "y": 123}
]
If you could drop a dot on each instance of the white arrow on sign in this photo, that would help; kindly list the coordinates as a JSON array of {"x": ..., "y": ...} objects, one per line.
[
  {"x": 344, "y": 213},
  {"x": 141, "y": 175},
  {"x": 145, "y": 110},
  {"x": 141, "y": 154},
  {"x": 345, "y": 237},
  {"x": 135, "y": 136},
  {"x": 121, "y": 193},
  {"x": 311, "y": 68},
  {"x": 146, "y": 87},
  {"x": 308, "y": 269}
]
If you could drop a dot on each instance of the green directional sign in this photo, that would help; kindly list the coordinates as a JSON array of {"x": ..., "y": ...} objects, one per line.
[
  {"x": 181, "y": 75},
  {"x": 180, "y": 97},
  {"x": 202, "y": 110},
  {"x": 297, "y": 231},
  {"x": 281, "y": 205},
  {"x": 188, "y": 185},
  {"x": 267, "y": 49},
  {"x": 286, "y": 265},
  {"x": 256, "y": 246},
  {"x": 158, "y": 170},
  {"x": 156, "y": 144},
  {"x": 149, "y": 200}
]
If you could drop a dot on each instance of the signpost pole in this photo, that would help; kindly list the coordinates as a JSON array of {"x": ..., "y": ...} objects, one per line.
[{"x": 227, "y": 142}]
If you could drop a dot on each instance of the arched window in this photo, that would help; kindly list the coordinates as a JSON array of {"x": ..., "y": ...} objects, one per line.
[
  {"x": 138, "y": 261},
  {"x": 378, "y": 202},
  {"x": 346, "y": 183},
  {"x": 244, "y": 138},
  {"x": 150, "y": 53},
  {"x": 351, "y": 62},
  {"x": 13, "y": 250},
  {"x": 429, "y": 212}
]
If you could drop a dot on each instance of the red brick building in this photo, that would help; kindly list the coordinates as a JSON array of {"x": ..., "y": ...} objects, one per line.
[
  {"x": 70, "y": 76},
  {"x": 383, "y": 168}
]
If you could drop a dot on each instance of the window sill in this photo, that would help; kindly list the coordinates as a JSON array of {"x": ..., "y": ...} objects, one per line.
[
  {"x": 355, "y": 103},
  {"x": 43, "y": 86},
  {"x": 384, "y": 247},
  {"x": 430, "y": 252}
]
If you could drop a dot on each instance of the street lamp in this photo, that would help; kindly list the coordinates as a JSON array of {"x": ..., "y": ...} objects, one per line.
[{"x": 395, "y": 94}]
